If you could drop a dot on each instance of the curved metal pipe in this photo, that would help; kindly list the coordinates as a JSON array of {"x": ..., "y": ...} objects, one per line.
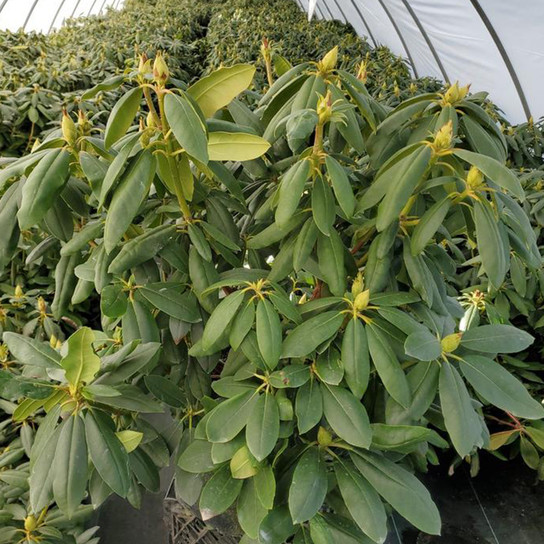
[
  {"x": 30, "y": 12},
  {"x": 56, "y": 15},
  {"x": 354, "y": 4}
]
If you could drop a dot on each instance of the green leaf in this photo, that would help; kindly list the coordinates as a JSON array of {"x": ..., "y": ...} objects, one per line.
[
  {"x": 388, "y": 366},
  {"x": 276, "y": 527},
  {"x": 346, "y": 415},
  {"x": 492, "y": 245},
  {"x": 309, "y": 486},
  {"x": 199, "y": 241},
  {"x": 462, "y": 422},
  {"x": 43, "y": 186},
  {"x": 29, "y": 351},
  {"x": 215, "y": 91},
  {"x": 265, "y": 482},
  {"x": 70, "y": 465},
  {"x": 428, "y": 224},
  {"x": 166, "y": 391},
  {"x": 307, "y": 336},
  {"x": 242, "y": 324},
  {"x": 230, "y": 417},
  {"x": 495, "y": 384},
  {"x": 494, "y": 170},
  {"x": 362, "y": 501},
  {"x": 107, "y": 453},
  {"x": 219, "y": 493},
  {"x": 496, "y": 339},
  {"x": 250, "y": 510},
  {"x": 401, "y": 186},
  {"x": 269, "y": 333},
  {"x": 355, "y": 357},
  {"x": 294, "y": 375},
  {"x": 263, "y": 426},
  {"x": 81, "y": 362},
  {"x": 423, "y": 346},
  {"x": 308, "y": 406},
  {"x": 197, "y": 457},
  {"x": 235, "y": 146},
  {"x": 323, "y": 209},
  {"x": 403, "y": 491},
  {"x": 529, "y": 453},
  {"x": 341, "y": 186},
  {"x": 330, "y": 254},
  {"x": 221, "y": 318},
  {"x": 290, "y": 190},
  {"x": 122, "y": 115},
  {"x": 113, "y": 301},
  {"x": 243, "y": 465},
  {"x": 128, "y": 198},
  {"x": 130, "y": 439},
  {"x": 402, "y": 438},
  {"x": 187, "y": 126},
  {"x": 168, "y": 299}
]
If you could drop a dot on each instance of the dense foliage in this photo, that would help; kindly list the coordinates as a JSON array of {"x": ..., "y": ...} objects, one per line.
[{"x": 327, "y": 273}]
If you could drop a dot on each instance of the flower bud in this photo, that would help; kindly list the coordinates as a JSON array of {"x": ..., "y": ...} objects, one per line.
[
  {"x": 19, "y": 292},
  {"x": 362, "y": 72},
  {"x": 150, "y": 121},
  {"x": 42, "y": 307},
  {"x": 69, "y": 129},
  {"x": 324, "y": 437},
  {"x": 358, "y": 285},
  {"x": 328, "y": 62},
  {"x": 35, "y": 145},
  {"x": 475, "y": 178},
  {"x": 324, "y": 108},
  {"x": 455, "y": 94},
  {"x": 30, "y": 523},
  {"x": 361, "y": 300},
  {"x": 451, "y": 342},
  {"x": 160, "y": 70},
  {"x": 444, "y": 137}
]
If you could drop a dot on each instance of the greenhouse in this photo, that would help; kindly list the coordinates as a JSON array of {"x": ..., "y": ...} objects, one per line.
[{"x": 271, "y": 272}]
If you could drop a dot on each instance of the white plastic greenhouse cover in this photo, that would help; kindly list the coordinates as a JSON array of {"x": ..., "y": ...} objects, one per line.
[
  {"x": 496, "y": 45},
  {"x": 44, "y": 15}
]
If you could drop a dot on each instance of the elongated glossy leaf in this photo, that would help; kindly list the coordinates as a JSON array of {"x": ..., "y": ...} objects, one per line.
[
  {"x": 43, "y": 186},
  {"x": 499, "y": 387},
  {"x": 128, "y": 197},
  {"x": 70, "y": 465},
  {"x": 29, "y": 351},
  {"x": 235, "y": 146},
  {"x": 221, "y": 319},
  {"x": 429, "y": 224},
  {"x": 108, "y": 455},
  {"x": 307, "y": 336},
  {"x": 460, "y": 417},
  {"x": 187, "y": 126},
  {"x": 323, "y": 209},
  {"x": 496, "y": 339},
  {"x": 290, "y": 191},
  {"x": 250, "y": 510},
  {"x": 423, "y": 346},
  {"x": 165, "y": 390},
  {"x": 491, "y": 244},
  {"x": 355, "y": 357},
  {"x": 494, "y": 170},
  {"x": 309, "y": 406},
  {"x": 341, "y": 186},
  {"x": 80, "y": 363},
  {"x": 362, "y": 501},
  {"x": 182, "y": 306},
  {"x": 388, "y": 366},
  {"x": 230, "y": 417},
  {"x": 346, "y": 415},
  {"x": 403, "y": 491},
  {"x": 269, "y": 333},
  {"x": 309, "y": 486},
  {"x": 263, "y": 426},
  {"x": 402, "y": 187},
  {"x": 219, "y": 493},
  {"x": 330, "y": 254},
  {"x": 216, "y": 90},
  {"x": 122, "y": 115},
  {"x": 276, "y": 527}
]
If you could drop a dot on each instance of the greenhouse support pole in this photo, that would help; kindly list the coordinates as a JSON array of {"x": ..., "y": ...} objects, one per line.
[
  {"x": 506, "y": 59},
  {"x": 30, "y": 12},
  {"x": 102, "y": 7},
  {"x": 75, "y": 8},
  {"x": 3, "y": 5},
  {"x": 357, "y": 9},
  {"x": 427, "y": 40},
  {"x": 329, "y": 10},
  {"x": 91, "y": 8},
  {"x": 401, "y": 37},
  {"x": 56, "y": 15},
  {"x": 341, "y": 11}
]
